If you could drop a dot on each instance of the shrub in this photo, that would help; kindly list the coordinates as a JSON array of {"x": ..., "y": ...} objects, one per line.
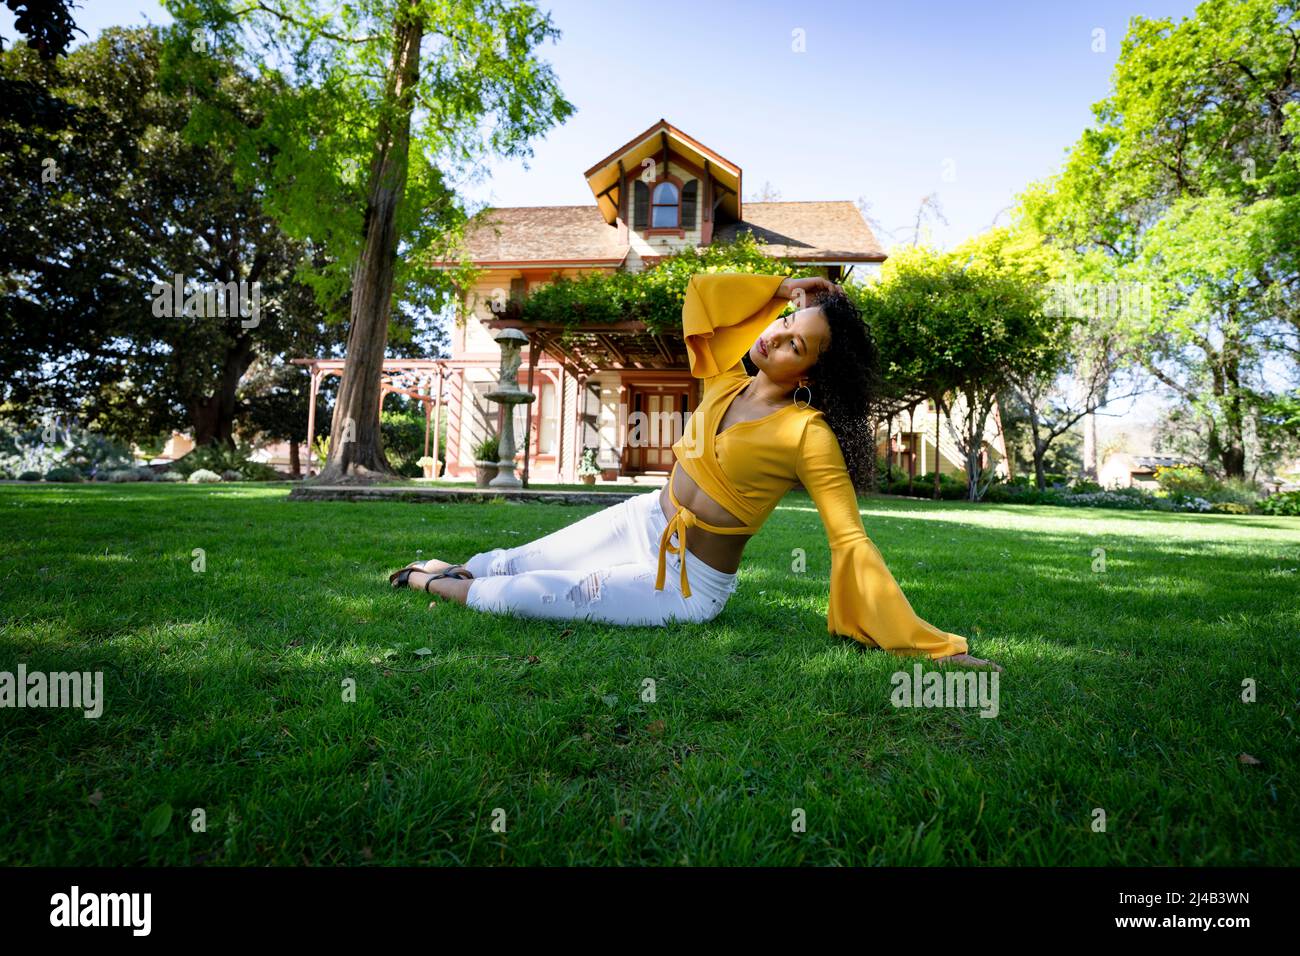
[
  {"x": 170, "y": 476},
  {"x": 488, "y": 449},
  {"x": 202, "y": 476},
  {"x": 1187, "y": 480},
  {"x": 1283, "y": 503},
  {"x": 1235, "y": 491},
  {"x": 1229, "y": 508},
  {"x": 1130, "y": 499},
  {"x": 221, "y": 458},
  {"x": 30, "y": 476},
  {"x": 1083, "y": 486},
  {"x": 87, "y": 452},
  {"x": 588, "y": 464},
  {"x": 403, "y": 434},
  {"x": 142, "y": 473},
  {"x": 948, "y": 490},
  {"x": 63, "y": 474},
  {"x": 231, "y": 475}
]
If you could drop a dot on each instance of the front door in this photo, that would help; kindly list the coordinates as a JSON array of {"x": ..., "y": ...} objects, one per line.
[{"x": 656, "y": 418}]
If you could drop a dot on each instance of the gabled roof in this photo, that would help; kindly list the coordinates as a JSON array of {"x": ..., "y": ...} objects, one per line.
[
  {"x": 833, "y": 231},
  {"x": 523, "y": 236},
  {"x": 603, "y": 177},
  {"x": 542, "y": 235}
]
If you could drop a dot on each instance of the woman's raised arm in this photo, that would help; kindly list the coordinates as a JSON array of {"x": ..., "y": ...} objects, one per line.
[{"x": 723, "y": 315}]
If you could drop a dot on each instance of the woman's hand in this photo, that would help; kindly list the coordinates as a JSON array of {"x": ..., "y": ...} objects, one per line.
[{"x": 801, "y": 290}]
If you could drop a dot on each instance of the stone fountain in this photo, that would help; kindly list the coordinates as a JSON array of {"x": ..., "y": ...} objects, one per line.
[{"x": 509, "y": 394}]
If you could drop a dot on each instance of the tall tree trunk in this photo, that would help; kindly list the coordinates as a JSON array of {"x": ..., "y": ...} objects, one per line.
[
  {"x": 1233, "y": 458},
  {"x": 213, "y": 416},
  {"x": 356, "y": 447},
  {"x": 938, "y": 459}
]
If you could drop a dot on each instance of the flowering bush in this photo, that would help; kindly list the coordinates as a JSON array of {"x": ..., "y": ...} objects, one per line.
[
  {"x": 57, "y": 446},
  {"x": 1188, "y": 485},
  {"x": 203, "y": 476},
  {"x": 588, "y": 464},
  {"x": 1131, "y": 499},
  {"x": 1104, "y": 499}
]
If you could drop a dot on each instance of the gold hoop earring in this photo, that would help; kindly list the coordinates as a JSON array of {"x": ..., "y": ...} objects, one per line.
[{"x": 809, "y": 399}]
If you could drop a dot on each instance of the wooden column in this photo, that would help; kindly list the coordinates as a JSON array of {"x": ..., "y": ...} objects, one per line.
[
  {"x": 428, "y": 385},
  {"x": 579, "y": 405},
  {"x": 453, "y": 442},
  {"x": 528, "y": 406},
  {"x": 559, "y": 427},
  {"x": 437, "y": 419},
  {"x": 311, "y": 420}
]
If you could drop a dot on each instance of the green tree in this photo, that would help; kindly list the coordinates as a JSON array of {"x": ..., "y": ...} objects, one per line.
[
  {"x": 376, "y": 99},
  {"x": 1190, "y": 184},
  {"x": 950, "y": 326},
  {"x": 110, "y": 204}
]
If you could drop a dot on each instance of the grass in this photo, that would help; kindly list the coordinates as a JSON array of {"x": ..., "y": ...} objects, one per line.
[{"x": 223, "y": 692}]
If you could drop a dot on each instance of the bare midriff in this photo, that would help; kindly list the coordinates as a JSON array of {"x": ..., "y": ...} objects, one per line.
[{"x": 719, "y": 551}]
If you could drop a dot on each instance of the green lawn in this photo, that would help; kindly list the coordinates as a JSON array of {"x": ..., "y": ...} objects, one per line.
[{"x": 223, "y": 692}]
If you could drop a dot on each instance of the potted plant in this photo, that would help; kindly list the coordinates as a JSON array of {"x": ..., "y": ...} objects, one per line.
[
  {"x": 428, "y": 463},
  {"x": 486, "y": 460},
  {"x": 588, "y": 469}
]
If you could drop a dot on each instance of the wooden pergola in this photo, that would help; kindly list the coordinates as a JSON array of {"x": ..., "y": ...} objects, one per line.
[
  {"x": 420, "y": 379},
  {"x": 584, "y": 350},
  {"x": 580, "y": 351}
]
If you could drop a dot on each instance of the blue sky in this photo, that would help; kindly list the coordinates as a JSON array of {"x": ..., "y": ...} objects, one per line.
[{"x": 887, "y": 102}]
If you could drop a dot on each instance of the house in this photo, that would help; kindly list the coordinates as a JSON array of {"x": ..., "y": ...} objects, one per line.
[
  {"x": 1122, "y": 470},
  {"x": 598, "y": 387}
]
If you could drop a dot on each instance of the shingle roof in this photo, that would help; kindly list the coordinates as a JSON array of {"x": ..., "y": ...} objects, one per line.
[
  {"x": 1159, "y": 461},
  {"x": 808, "y": 230},
  {"x": 543, "y": 234},
  {"x": 834, "y": 231}
]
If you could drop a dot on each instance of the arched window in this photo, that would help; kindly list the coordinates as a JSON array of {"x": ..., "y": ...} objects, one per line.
[{"x": 665, "y": 207}]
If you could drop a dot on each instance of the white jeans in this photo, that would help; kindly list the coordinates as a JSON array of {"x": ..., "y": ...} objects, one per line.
[{"x": 601, "y": 568}]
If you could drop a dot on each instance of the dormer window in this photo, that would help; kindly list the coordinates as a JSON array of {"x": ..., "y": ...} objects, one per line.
[
  {"x": 665, "y": 205},
  {"x": 665, "y": 210}
]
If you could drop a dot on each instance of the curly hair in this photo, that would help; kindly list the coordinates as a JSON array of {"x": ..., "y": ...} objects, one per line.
[{"x": 846, "y": 385}]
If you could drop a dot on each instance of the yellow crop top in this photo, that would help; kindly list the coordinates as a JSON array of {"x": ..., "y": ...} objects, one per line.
[{"x": 750, "y": 466}]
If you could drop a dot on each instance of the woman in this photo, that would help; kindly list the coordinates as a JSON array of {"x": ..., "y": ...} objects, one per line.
[{"x": 673, "y": 554}]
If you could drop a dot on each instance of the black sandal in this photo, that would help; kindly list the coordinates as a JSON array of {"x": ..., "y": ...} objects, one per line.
[
  {"x": 448, "y": 573},
  {"x": 401, "y": 579}
]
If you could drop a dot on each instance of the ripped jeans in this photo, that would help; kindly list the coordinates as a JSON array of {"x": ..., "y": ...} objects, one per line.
[{"x": 601, "y": 568}]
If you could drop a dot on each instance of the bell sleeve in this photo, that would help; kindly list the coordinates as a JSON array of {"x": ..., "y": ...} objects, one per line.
[
  {"x": 866, "y": 602},
  {"x": 724, "y": 313}
]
